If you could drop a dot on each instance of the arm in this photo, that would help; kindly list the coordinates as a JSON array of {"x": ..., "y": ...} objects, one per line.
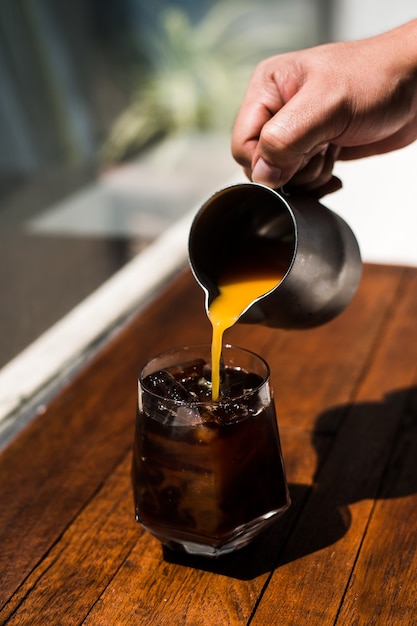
[{"x": 303, "y": 110}]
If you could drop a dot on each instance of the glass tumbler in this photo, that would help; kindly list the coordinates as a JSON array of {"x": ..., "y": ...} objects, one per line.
[{"x": 208, "y": 477}]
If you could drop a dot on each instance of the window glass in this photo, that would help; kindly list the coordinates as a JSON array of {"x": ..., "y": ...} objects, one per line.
[{"x": 115, "y": 119}]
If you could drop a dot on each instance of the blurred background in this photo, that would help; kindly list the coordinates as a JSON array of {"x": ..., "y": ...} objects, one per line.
[{"x": 115, "y": 120}]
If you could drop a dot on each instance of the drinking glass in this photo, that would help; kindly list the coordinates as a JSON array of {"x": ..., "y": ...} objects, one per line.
[{"x": 208, "y": 477}]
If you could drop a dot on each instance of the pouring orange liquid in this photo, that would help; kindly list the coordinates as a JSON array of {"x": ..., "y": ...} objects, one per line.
[{"x": 238, "y": 289}]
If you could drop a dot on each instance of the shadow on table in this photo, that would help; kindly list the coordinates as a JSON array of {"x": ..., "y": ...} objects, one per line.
[{"x": 375, "y": 459}]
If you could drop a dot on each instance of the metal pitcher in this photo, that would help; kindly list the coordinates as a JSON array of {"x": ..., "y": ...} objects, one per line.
[{"x": 321, "y": 255}]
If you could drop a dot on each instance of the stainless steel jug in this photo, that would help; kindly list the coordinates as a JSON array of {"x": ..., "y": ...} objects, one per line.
[{"x": 321, "y": 255}]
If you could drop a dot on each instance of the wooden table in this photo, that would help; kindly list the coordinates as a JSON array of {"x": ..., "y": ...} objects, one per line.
[{"x": 345, "y": 553}]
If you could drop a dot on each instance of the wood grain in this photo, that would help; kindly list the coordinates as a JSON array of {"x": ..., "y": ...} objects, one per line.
[
  {"x": 71, "y": 553},
  {"x": 327, "y": 541}
]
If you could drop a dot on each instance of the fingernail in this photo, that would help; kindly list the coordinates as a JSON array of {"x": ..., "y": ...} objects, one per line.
[{"x": 266, "y": 174}]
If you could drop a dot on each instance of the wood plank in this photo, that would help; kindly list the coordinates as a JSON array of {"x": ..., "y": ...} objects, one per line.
[
  {"x": 383, "y": 587},
  {"x": 60, "y": 460},
  {"x": 223, "y": 592},
  {"x": 82, "y": 561},
  {"x": 231, "y": 604},
  {"x": 61, "y": 471},
  {"x": 317, "y": 563},
  {"x": 104, "y": 552}
]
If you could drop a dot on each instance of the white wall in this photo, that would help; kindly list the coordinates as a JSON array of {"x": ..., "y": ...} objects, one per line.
[
  {"x": 379, "y": 195},
  {"x": 362, "y": 18}
]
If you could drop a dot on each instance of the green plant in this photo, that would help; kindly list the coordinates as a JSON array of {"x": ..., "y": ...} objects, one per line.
[{"x": 197, "y": 73}]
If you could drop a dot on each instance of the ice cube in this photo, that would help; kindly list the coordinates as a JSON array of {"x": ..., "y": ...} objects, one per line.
[
  {"x": 188, "y": 371},
  {"x": 186, "y": 416},
  {"x": 239, "y": 383},
  {"x": 164, "y": 384},
  {"x": 234, "y": 411}
]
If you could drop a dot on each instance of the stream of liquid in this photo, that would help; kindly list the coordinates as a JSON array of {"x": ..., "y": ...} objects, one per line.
[{"x": 238, "y": 290}]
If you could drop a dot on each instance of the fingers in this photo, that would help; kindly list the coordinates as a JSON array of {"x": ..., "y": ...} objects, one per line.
[
  {"x": 317, "y": 172},
  {"x": 332, "y": 185},
  {"x": 299, "y": 105},
  {"x": 316, "y": 175},
  {"x": 294, "y": 142},
  {"x": 266, "y": 174},
  {"x": 286, "y": 123},
  {"x": 250, "y": 123},
  {"x": 285, "y": 127},
  {"x": 263, "y": 99}
]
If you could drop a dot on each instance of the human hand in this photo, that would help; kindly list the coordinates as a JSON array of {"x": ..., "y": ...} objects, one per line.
[{"x": 304, "y": 110}]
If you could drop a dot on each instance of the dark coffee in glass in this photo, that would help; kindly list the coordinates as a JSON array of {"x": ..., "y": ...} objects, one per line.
[{"x": 208, "y": 477}]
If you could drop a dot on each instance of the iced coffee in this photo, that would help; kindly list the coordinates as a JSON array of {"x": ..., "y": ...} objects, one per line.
[{"x": 208, "y": 476}]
